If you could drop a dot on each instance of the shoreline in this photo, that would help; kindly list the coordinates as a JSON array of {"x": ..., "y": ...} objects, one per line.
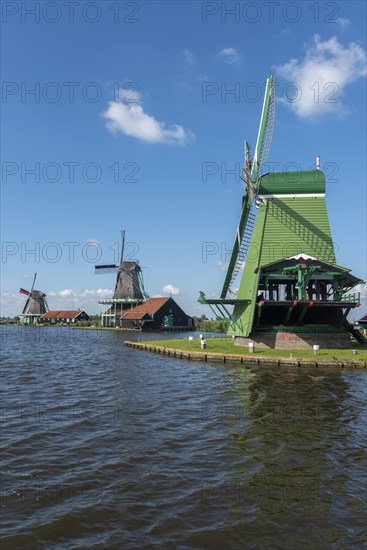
[{"x": 242, "y": 358}]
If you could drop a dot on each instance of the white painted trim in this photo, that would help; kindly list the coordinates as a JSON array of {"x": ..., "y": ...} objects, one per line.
[{"x": 291, "y": 196}]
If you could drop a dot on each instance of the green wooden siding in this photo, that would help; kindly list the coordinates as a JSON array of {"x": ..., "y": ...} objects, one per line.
[
  {"x": 276, "y": 183},
  {"x": 296, "y": 225},
  {"x": 284, "y": 227}
]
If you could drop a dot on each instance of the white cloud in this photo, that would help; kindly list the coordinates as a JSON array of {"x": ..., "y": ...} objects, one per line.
[
  {"x": 343, "y": 22},
  {"x": 66, "y": 293},
  {"x": 99, "y": 293},
  {"x": 189, "y": 57},
  {"x": 362, "y": 288},
  {"x": 128, "y": 117},
  {"x": 321, "y": 77},
  {"x": 170, "y": 289},
  {"x": 67, "y": 298},
  {"x": 11, "y": 304},
  {"x": 69, "y": 292},
  {"x": 229, "y": 55}
]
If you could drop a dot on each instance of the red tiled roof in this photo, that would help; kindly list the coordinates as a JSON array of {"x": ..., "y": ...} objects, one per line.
[
  {"x": 59, "y": 314},
  {"x": 150, "y": 307},
  {"x": 363, "y": 319}
]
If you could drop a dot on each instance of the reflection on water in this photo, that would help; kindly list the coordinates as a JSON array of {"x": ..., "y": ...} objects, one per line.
[
  {"x": 299, "y": 434},
  {"x": 111, "y": 447}
]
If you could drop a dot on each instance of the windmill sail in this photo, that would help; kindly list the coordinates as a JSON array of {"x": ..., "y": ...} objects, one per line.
[
  {"x": 250, "y": 176},
  {"x": 232, "y": 270},
  {"x": 34, "y": 282},
  {"x": 266, "y": 127},
  {"x": 109, "y": 268},
  {"x": 26, "y": 292},
  {"x": 122, "y": 245}
]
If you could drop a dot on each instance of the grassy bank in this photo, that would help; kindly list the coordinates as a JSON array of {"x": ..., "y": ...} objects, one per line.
[
  {"x": 226, "y": 346},
  {"x": 105, "y": 328}
]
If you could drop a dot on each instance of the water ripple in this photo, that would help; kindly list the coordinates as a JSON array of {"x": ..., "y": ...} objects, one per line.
[{"x": 109, "y": 447}]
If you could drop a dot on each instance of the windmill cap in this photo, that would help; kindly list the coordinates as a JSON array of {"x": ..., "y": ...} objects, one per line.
[
  {"x": 38, "y": 293},
  {"x": 301, "y": 182}
]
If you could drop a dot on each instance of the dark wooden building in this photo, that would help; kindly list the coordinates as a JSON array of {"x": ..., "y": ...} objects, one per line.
[
  {"x": 61, "y": 317},
  {"x": 157, "y": 314}
]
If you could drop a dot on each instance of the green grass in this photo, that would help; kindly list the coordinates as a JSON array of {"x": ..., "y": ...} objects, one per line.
[{"x": 225, "y": 345}]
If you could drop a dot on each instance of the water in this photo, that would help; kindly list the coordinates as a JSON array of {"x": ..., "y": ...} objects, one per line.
[{"x": 110, "y": 447}]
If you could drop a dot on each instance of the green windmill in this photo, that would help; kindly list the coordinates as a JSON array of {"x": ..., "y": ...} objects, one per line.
[{"x": 290, "y": 283}]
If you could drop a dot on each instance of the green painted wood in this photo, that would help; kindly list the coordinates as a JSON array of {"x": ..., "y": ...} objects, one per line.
[
  {"x": 308, "y": 181},
  {"x": 284, "y": 227},
  {"x": 294, "y": 226}
]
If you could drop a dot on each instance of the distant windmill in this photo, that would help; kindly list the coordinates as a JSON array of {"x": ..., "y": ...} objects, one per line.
[
  {"x": 35, "y": 306},
  {"x": 129, "y": 288}
]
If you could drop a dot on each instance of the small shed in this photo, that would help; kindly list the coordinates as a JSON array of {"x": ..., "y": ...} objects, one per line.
[
  {"x": 54, "y": 317},
  {"x": 157, "y": 314}
]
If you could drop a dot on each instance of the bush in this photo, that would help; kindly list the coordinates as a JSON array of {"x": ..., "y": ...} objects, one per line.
[
  {"x": 83, "y": 324},
  {"x": 213, "y": 326}
]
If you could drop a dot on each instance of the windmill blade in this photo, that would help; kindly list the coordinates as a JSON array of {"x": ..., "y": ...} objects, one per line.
[
  {"x": 250, "y": 176},
  {"x": 122, "y": 245},
  {"x": 266, "y": 127},
  {"x": 26, "y": 292},
  {"x": 34, "y": 280},
  {"x": 246, "y": 171},
  {"x": 25, "y": 309},
  {"x": 246, "y": 162},
  {"x": 101, "y": 269},
  {"x": 246, "y": 208}
]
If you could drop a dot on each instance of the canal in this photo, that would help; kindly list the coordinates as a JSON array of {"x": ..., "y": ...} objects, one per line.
[{"x": 105, "y": 446}]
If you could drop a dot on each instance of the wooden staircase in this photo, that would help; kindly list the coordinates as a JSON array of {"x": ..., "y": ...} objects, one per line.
[{"x": 356, "y": 334}]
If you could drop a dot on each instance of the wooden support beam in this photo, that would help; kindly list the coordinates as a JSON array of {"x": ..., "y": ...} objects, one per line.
[
  {"x": 288, "y": 291},
  {"x": 345, "y": 315},
  {"x": 288, "y": 316},
  {"x": 302, "y": 315},
  {"x": 259, "y": 312}
]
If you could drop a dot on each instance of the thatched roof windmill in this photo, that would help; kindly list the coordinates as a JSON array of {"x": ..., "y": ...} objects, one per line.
[{"x": 35, "y": 306}]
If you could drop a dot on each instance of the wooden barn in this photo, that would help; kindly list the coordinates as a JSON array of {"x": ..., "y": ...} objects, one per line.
[
  {"x": 157, "y": 314},
  {"x": 61, "y": 317}
]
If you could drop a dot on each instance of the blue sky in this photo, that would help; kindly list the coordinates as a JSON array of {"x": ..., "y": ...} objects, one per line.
[{"x": 137, "y": 120}]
